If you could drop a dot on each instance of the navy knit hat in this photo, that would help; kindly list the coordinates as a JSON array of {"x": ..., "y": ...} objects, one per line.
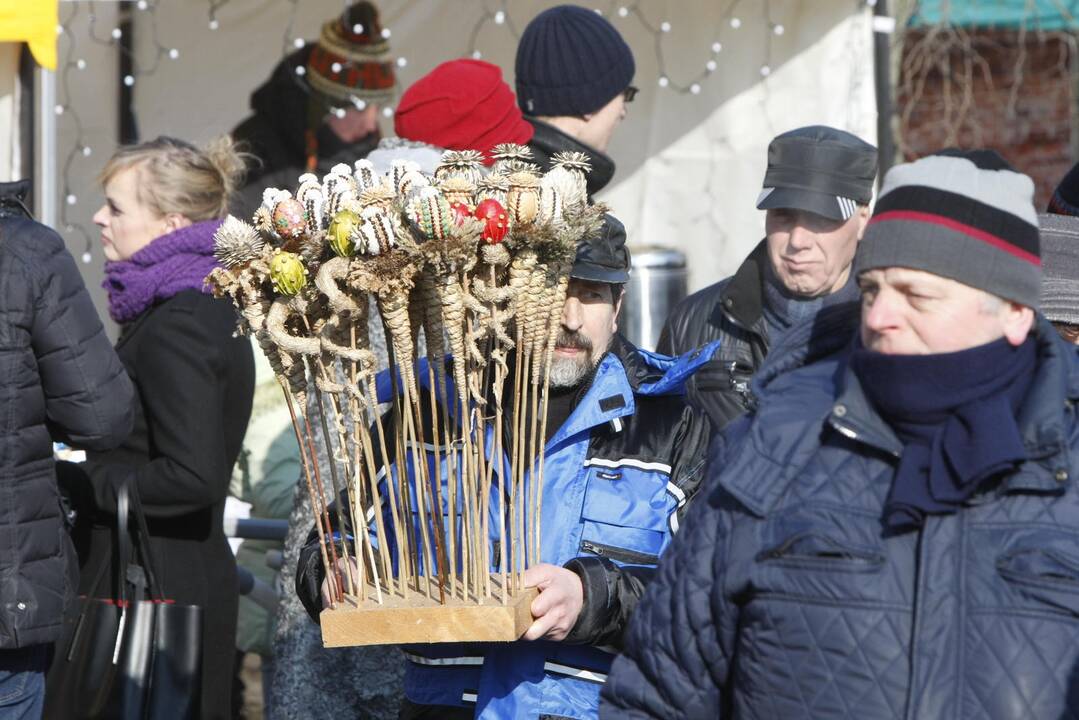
[
  {"x": 963, "y": 215},
  {"x": 570, "y": 61},
  {"x": 1065, "y": 199}
]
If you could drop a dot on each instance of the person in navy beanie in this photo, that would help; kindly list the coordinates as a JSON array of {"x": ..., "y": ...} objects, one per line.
[
  {"x": 1065, "y": 198},
  {"x": 573, "y": 75}
]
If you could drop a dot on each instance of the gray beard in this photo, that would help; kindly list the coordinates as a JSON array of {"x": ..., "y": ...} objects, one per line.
[{"x": 569, "y": 372}]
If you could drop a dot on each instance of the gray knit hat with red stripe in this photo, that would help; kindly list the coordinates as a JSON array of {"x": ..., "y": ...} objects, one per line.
[{"x": 964, "y": 215}]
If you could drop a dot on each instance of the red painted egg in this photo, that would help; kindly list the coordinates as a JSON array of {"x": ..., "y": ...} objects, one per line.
[
  {"x": 461, "y": 212},
  {"x": 496, "y": 220}
]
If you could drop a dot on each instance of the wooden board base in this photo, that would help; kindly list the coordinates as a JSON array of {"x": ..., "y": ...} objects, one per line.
[{"x": 419, "y": 619}]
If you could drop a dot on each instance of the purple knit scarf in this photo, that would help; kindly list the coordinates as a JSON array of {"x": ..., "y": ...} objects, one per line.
[{"x": 180, "y": 260}]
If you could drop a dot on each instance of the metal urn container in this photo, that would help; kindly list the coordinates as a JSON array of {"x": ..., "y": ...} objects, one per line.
[{"x": 656, "y": 284}]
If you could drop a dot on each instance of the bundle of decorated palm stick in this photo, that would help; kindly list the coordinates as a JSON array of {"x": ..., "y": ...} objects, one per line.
[{"x": 435, "y": 463}]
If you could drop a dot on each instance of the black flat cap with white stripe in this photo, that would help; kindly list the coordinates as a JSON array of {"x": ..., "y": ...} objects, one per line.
[{"x": 821, "y": 170}]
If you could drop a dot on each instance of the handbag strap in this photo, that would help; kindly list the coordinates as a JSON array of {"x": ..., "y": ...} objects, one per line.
[
  {"x": 157, "y": 592},
  {"x": 123, "y": 541}
]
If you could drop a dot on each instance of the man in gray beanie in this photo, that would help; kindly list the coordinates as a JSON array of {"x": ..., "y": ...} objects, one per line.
[
  {"x": 895, "y": 533},
  {"x": 573, "y": 74}
]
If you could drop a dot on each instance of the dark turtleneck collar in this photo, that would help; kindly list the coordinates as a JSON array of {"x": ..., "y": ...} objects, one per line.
[
  {"x": 782, "y": 309},
  {"x": 549, "y": 140}
]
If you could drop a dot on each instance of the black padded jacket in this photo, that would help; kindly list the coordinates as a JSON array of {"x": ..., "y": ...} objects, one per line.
[{"x": 60, "y": 380}]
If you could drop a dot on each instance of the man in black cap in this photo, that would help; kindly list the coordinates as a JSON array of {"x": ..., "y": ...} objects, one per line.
[
  {"x": 623, "y": 456},
  {"x": 816, "y": 195}
]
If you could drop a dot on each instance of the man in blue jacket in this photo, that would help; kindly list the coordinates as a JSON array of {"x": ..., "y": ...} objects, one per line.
[
  {"x": 894, "y": 534},
  {"x": 623, "y": 456}
]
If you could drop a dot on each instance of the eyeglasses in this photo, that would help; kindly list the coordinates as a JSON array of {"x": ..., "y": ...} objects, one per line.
[{"x": 629, "y": 93}]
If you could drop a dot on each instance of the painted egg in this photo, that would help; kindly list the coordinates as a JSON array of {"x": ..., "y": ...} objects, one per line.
[
  {"x": 290, "y": 219},
  {"x": 522, "y": 198},
  {"x": 341, "y": 230},
  {"x": 431, "y": 214},
  {"x": 495, "y": 221},
  {"x": 377, "y": 234},
  {"x": 461, "y": 212},
  {"x": 550, "y": 205},
  {"x": 288, "y": 273}
]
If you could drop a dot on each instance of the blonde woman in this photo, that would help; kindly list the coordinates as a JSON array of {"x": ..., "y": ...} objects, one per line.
[{"x": 164, "y": 200}]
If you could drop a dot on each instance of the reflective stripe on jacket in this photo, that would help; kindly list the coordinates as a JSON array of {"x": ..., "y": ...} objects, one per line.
[{"x": 617, "y": 474}]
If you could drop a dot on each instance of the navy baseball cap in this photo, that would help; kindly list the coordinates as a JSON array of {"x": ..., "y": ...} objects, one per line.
[{"x": 603, "y": 257}]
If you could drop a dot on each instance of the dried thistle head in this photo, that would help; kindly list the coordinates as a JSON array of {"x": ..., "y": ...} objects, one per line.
[
  {"x": 515, "y": 166},
  {"x": 236, "y": 242},
  {"x": 509, "y": 153},
  {"x": 379, "y": 196},
  {"x": 263, "y": 221},
  {"x": 464, "y": 163},
  {"x": 492, "y": 187},
  {"x": 575, "y": 161},
  {"x": 522, "y": 180}
]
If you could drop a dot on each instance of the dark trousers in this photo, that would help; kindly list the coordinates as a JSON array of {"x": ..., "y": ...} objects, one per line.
[{"x": 414, "y": 711}]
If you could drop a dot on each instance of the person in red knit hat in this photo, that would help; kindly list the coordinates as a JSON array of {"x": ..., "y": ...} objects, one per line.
[{"x": 460, "y": 105}]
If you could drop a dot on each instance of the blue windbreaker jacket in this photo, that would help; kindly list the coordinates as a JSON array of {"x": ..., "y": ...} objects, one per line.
[{"x": 618, "y": 474}]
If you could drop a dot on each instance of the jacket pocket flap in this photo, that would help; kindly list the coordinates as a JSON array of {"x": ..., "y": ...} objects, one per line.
[{"x": 812, "y": 549}]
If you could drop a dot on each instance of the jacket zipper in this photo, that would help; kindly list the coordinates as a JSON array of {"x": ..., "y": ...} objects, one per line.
[{"x": 622, "y": 555}]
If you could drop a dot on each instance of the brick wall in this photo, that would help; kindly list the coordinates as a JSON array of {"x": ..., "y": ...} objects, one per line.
[{"x": 1038, "y": 138}]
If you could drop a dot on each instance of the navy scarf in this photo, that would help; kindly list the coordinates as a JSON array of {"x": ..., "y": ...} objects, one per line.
[{"x": 955, "y": 413}]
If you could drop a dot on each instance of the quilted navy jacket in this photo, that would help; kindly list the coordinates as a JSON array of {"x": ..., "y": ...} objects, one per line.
[
  {"x": 59, "y": 380},
  {"x": 783, "y": 598}
]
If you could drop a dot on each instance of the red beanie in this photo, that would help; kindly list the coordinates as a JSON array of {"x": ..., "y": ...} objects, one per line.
[{"x": 462, "y": 105}]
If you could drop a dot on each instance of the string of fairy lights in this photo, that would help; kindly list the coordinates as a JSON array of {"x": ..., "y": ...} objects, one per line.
[{"x": 491, "y": 14}]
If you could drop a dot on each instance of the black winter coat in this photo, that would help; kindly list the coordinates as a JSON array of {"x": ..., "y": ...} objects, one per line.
[
  {"x": 59, "y": 380},
  {"x": 731, "y": 311},
  {"x": 195, "y": 382},
  {"x": 275, "y": 134},
  {"x": 549, "y": 140}
]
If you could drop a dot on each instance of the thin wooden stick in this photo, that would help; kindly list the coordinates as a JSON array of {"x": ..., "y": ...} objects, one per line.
[
  {"x": 322, "y": 503},
  {"x": 311, "y": 493},
  {"x": 335, "y": 484},
  {"x": 376, "y": 501},
  {"x": 552, "y": 337},
  {"x": 395, "y": 519},
  {"x": 405, "y": 530}
]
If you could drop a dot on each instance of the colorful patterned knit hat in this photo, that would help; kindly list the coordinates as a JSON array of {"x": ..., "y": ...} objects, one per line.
[
  {"x": 351, "y": 60},
  {"x": 964, "y": 215}
]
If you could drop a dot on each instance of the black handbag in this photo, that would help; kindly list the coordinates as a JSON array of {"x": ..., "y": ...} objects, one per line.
[{"x": 135, "y": 655}]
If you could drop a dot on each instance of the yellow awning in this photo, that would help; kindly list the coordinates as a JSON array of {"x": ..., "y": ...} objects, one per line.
[{"x": 33, "y": 22}]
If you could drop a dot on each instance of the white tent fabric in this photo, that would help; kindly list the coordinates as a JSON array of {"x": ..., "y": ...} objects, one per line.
[
  {"x": 690, "y": 165},
  {"x": 10, "y": 146}
]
